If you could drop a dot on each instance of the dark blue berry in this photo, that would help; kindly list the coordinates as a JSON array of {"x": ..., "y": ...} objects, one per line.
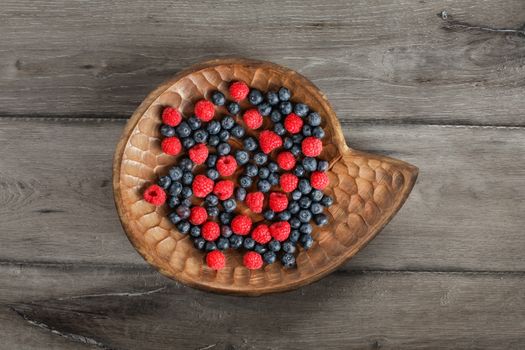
[
  {"x": 164, "y": 182},
  {"x": 187, "y": 178},
  {"x": 301, "y": 109},
  {"x": 316, "y": 195},
  {"x": 296, "y": 195},
  {"x": 224, "y": 135},
  {"x": 212, "y": 174},
  {"x": 320, "y": 219},
  {"x": 284, "y": 94},
  {"x": 274, "y": 245},
  {"x": 183, "y": 227},
  {"x": 214, "y": 127},
  {"x": 224, "y": 148},
  {"x": 212, "y": 211},
  {"x": 186, "y": 201},
  {"x": 279, "y": 129},
  {"x": 273, "y": 167},
  {"x": 251, "y": 170},
  {"x": 297, "y": 138},
  {"x": 210, "y": 246},
  {"x": 299, "y": 171},
  {"x": 238, "y": 131},
  {"x": 200, "y": 136},
  {"x": 285, "y": 215},
  {"x": 296, "y": 150},
  {"x": 175, "y": 189},
  {"x": 322, "y": 165},
  {"x": 269, "y": 214},
  {"x": 242, "y": 157},
  {"x": 218, "y": 98},
  {"x": 236, "y": 241},
  {"x": 318, "y": 132},
  {"x": 194, "y": 123},
  {"x": 233, "y": 108},
  {"x": 188, "y": 142},
  {"x": 272, "y": 97},
  {"x": 211, "y": 160},
  {"x": 223, "y": 243},
  {"x": 226, "y": 231},
  {"x": 214, "y": 140},
  {"x": 248, "y": 243},
  {"x": 304, "y": 186},
  {"x": 306, "y": 229},
  {"x": 260, "y": 158},
  {"x": 227, "y": 122},
  {"x": 288, "y": 247},
  {"x": 327, "y": 201},
  {"x": 305, "y": 202},
  {"x": 264, "y": 108},
  {"x": 175, "y": 173},
  {"x": 229, "y": 205},
  {"x": 186, "y": 164},
  {"x": 309, "y": 163},
  {"x": 307, "y": 241},
  {"x": 183, "y": 130},
  {"x": 273, "y": 179},
  {"x": 293, "y": 207},
  {"x": 195, "y": 231},
  {"x": 295, "y": 222},
  {"x": 199, "y": 243},
  {"x": 173, "y": 202},
  {"x": 288, "y": 260},
  {"x": 269, "y": 257},
  {"x": 288, "y": 142},
  {"x": 276, "y": 116},
  {"x": 263, "y": 172},
  {"x": 316, "y": 208},
  {"x": 225, "y": 218},
  {"x": 259, "y": 248},
  {"x": 174, "y": 218},
  {"x": 240, "y": 194},
  {"x": 245, "y": 181},
  {"x": 249, "y": 143},
  {"x": 294, "y": 236},
  {"x": 285, "y": 108},
  {"x": 313, "y": 119},
  {"x": 255, "y": 97},
  {"x": 212, "y": 200},
  {"x": 307, "y": 130},
  {"x": 167, "y": 131},
  {"x": 264, "y": 186},
  {"x": 183, "y": 211}
]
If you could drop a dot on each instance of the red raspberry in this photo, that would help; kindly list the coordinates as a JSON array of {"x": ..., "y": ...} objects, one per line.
[
  {"x": 155, "y": 195},
  {"x": 210, "y": 231},
  {"x": 239, "y": 90},
  {"x": 198, "y": 215},
  {"x": 280, "y": 230},
  {"x": 241, "y": 225},
  {"x": 171, "y": 117},
  {"x": 268, "y": 140},
  {"x": 278, "y": 201},
  {"x": 252, "y": 118},
  {"x": 226, "y": 165},
  {"x": 204, "y": 110},
  {"x": 202, "y": 186},
  {"x": 261, "y": 234},
  {"x": 319, "y": 180},
  {"x": 199, "y": 153},
  {"x": 171, "y": 146},
  {"x": 223, "y": 189},
  {"x": 293, "y": 123},
  {"x": 255, "y": 201},
  {"x": 312, "y": 146},
  {"x": 252, "y": 260},
  {"x": 215, "y": 260},
  {"x": 288, "y": 182},
  {"x": 286, "y": 160}
]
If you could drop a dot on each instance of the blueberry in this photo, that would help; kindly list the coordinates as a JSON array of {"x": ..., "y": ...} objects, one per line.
[
  {"x": 223, "y": 243},
  {"x": 199, "y": 243},
  {"x": 272, "y": 97},
  {"x": 296, "y": 195},
  {"x": 200, "y": 136},
  {"x": 167, "y": 131},
  {"x": 284, "y": 94},
  {"x": 186, "y": 201},
  {"x": 183, "y": 130},
  {"x": 287, "y": 143},
  {"x": 218, "y": 98},
  {"x": 269, "y": 257},
  {"x": 264, "y": 172},
  {"x": 249, "y": 143},
  {"x": 174, "y": 218},
  {"x": 187, "y": 178},
  {"x": 288, "y": 247},
  {"x": 305, "y": 202},
  {"x": 316, "y": 195},
  {"x": 260, "y": 158},
  {"x": 224, "y": 148},
  {"x": 307, "y": 241},
  {"x": 301, "y": 109},
  {"x": 264, "y": 108},
  {"x": 307, "y": 130},
  {"x": 313, "y": 119},
  {"x": 251, "y": 170},
  {"x": 248, "y": 243},
  {"x": 285, "y": 108},
  {"x": 229, "y": 205},
  {"x": 195, "y": 231},
  {"x": 316, "y": 208},
  {"x": 285, "y": 215},
  {"x": 293, "y": 207},
  {"x": 304, "y": 186},
  {"x": 294, "y": 236},
  {"x": 186, "y": 164},
  {"x": 276, "y": 116},
  {"x": 255, "y": 97},
  {"x": 288, "y": 260},
  {"x": 210, "y": 246},
  {"x": 269, "y": 214},
  {"x": 212, "y": 211},
  {"x": 295, "y": 222},
  {"x": 164, "y": 182},
  {"x": 214, "y": 127},
  {"x": 214, "y": 140},
  {"x": 297, "y": 138},
  {"x": 322, "y": 165},
  {"x": 211, "y": 200},
  {"x": 306, "y": 229},
  {"x": 226, "y": 231},
  {"x": 273, "y": 179},
  {"x": 318, "y": 132},
  {"x": 264, "y": 186},
  {"x": 320, "y": 219},
  {"x": 274, "y": 245},
  {"x": 211, "y": 160},
  {"x": 227, "y": 122},
  {"x": 309, "y": 163},
  {"x": 175, "y": 189},
  {"x": 327, "y": 201},
  {"x": 273, "y": 167},
  {"x": 183, "y": 227},
  {"x": 279, "y": 129},
  {"x": 296, "y": 150},
  {"x": 225, "y": 218},
  {"x": 175, "y": 173},
  {"x": 242, "y": 157},
  {"x": 238, "y": 131},
  {"x": 188, "y": 142},
  {"x": 224, "y": 135},
  {"x": 259, "y": 248},
  {"x": 194, "y": 123},
  {"x": 186, "y": 192},
  {"x": 212, "y": 174},
  {"x": 183, "y": 211},
  {"x": 245, "y": 181},
  {"x": 240, "y": 194},
  {"x": 173, "y": 202},
  {"x": 236, "y": 241},
  {"x": 233, "y": 108},
  {"x": 299, "y": 170}
]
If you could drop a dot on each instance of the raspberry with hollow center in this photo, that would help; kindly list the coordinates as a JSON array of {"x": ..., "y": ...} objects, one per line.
[
  {"x": 241, "y": 225},
  {"x": 202, "y": 186},
  {"x": 278, "y": 201},
  {"x": 171, "y": 117},
  {"x": 238, "y": 91},
  {"x": 155, "y": 195},
  {"x": 171, "y": 146},
  {"x": 215, "y": 260},
  {"x": 210, "y": 231},
  {"x": 204, "y": 110},
  {"x": 252, "y": 260},
  {"x": 226, "y": 165}
]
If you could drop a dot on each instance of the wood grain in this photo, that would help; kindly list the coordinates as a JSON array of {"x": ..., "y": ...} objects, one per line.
[
  {"x": 343, "y": 311},
  {"x": 463, "y": 210},
  {"x": 375, "y": 60}
]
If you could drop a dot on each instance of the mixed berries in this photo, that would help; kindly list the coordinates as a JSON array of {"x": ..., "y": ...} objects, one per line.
[{"x": 247, "y": 176}]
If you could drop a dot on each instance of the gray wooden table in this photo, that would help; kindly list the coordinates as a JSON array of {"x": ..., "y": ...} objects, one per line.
[{"x": 444, "y": 92}]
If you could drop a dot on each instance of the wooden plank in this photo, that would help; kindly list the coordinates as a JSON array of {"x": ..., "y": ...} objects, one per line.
[
  {"x": 465, "y": 213},
  {"x": 376, "y": 61},
  {"x": 388, "y": 310}
]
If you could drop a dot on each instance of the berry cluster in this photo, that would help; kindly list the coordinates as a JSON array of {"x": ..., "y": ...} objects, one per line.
[{"x": 273, "y": 172}]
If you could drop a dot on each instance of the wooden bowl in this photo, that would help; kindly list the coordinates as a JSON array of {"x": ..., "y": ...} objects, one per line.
[{"x": 368, "y": 189}]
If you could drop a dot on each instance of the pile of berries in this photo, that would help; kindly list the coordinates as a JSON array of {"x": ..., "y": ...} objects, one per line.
[{"x": 272, "y": 169}]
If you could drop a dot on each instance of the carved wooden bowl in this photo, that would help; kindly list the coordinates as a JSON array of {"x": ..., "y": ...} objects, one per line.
[{"x": 367, "y": 189}]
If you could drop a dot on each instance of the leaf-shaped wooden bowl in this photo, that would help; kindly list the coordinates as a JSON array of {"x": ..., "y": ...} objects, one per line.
[{"x": 368, "y": 189}]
